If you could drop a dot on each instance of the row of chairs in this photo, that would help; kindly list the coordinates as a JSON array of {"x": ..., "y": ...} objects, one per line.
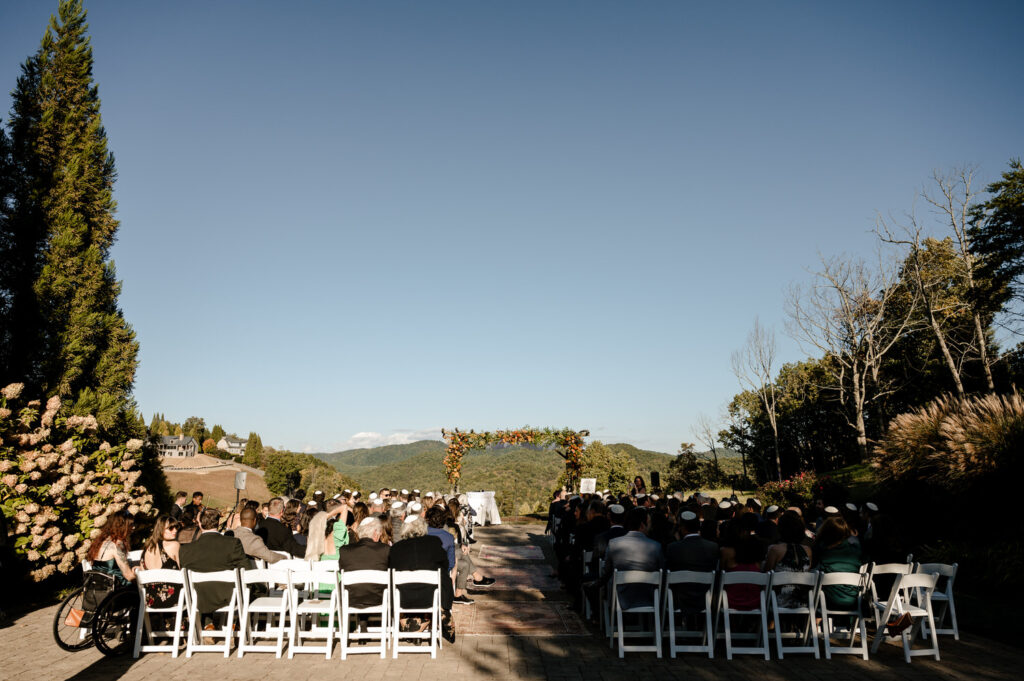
[
  {"x": 293, "y": 603},
  {"x": 913, "y": 591}
]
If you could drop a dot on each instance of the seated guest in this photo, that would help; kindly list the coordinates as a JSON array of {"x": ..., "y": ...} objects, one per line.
[
  {"x": 790, "y": 555},
  {"x": 465, "y": 566},
  {"x": 275, "y": 534},
  {"x": 189, "y": 527},
  {"x": 252, "y": 543},
  {"x": 419, "y": 551},
  {"x": 197, "y": 504},
  {"x": 211, "y": 552},
  {"x": 327, "y": 535},
  {"x": 634, "y": 551},
  {"x": 161, "y": 553},
  {"x": 835, "y": 553},
  {"x": 769, "y": 526},
  {"x": 437, "y": 517},
  {"x": 691, "y": 552},
  {"x": 109, "y": 551},
  {"x": 368, "y": 553},
  {"x": 742, "y": 553}
]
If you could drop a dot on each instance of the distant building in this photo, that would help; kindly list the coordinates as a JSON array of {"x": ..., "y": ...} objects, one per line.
[
  {"x": 177, "y": 445},
  {"x": 232, "y": 445}
]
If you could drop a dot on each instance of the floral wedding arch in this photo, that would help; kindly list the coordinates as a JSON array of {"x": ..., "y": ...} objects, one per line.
[{"x": 566, "y": 443}]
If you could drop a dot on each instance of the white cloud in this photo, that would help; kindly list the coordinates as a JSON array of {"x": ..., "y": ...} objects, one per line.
[{"x": 397, "y": 437}]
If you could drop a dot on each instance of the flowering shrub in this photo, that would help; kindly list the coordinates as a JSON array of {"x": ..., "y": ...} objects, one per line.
[
  {"x": 800, "y": 489},
  {"x": 60, "y": 481}
]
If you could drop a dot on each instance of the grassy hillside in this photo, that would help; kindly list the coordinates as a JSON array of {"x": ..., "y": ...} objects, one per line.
[
  {"x": 522, "y": 478},
  {"x": 355, "y": 462}
]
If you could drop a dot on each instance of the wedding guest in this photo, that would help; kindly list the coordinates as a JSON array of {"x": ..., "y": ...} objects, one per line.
[
  {"x": 179, "y": 505},
  {"x": 108, "y": 553},
  {"x": 161, "y": 553}
]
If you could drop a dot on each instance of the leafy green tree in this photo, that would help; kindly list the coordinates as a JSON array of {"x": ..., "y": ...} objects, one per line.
[
  {"x": 283, "y": 472},
  {"x": 253, "y": 455},
  {"x": 612, "y": 469},
  {"x": 68, "y": 332},
  {"x": 217, "y": 433},
  {"x": 195, "y": 427},
  {"x": 998, "y": 231}
]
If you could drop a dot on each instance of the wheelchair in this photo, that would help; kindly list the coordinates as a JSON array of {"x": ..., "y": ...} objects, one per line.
[{"x": 99, "y": 613}]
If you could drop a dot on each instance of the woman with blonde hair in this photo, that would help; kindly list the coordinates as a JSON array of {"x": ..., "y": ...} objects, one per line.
[{"x": 326, "y": 535}]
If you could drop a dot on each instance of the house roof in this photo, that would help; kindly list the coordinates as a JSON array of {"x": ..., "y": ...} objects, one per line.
[
  {"x": 234, "y": 440},
  {"x": 177, "y": 441}
]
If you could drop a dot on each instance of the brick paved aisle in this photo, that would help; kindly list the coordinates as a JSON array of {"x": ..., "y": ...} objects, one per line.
[{"x": 499, "y": 637}]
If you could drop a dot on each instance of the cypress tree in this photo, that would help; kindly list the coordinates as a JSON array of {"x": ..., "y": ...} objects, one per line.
[{"x": 70, "y": 334}]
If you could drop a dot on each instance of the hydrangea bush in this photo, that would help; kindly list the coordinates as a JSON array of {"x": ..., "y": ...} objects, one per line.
[{"x": 60, "y": 481}]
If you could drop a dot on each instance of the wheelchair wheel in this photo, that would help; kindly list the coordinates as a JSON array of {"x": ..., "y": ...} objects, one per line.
[
  {"x": 113, "y": 628},
  {"x": 70, "y": 637}
]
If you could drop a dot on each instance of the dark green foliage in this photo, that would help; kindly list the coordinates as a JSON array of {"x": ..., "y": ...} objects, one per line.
[
  {"x": 998, "y": 230},
  {"x": 217, "y": 433},
  {"x": 63, "y": 329},
  {"x": 253, "y": 451}
]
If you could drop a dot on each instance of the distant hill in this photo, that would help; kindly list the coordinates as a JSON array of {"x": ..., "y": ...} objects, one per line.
[{"x": 522, "y": 478}]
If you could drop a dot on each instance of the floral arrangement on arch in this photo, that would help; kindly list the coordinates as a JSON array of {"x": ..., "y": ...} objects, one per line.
[
  {"x": 566, "y": 442},
  {"x": 60, "y": 481}
]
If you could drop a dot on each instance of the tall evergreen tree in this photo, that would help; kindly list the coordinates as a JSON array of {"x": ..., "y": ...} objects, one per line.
[
  {"x": 68, "y": 333},
  {"x": 253, "y": 451}
]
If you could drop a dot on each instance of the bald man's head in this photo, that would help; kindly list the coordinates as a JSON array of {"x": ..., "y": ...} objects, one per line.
[{"x": 247, "y": 518}]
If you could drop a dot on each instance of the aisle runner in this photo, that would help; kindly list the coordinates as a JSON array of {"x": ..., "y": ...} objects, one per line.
[
  {"x": 502, "y": 553},
  {"x": 494, "y": 618},
  {"x": 521, "y": 577}
]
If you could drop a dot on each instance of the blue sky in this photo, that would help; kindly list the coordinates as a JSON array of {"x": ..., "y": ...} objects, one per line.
[{"x": 348, "y": 223}]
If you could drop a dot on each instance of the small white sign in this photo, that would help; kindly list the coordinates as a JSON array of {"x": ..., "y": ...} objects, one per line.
[
  {"x": 588, "y": 485},
  {"x": 240, "y": 480}
]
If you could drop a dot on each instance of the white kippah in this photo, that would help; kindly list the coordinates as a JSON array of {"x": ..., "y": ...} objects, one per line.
[
  {"x": 336, "y": 496},
  {"x": 405, "y": 491},
  {"x": 725, "y": 504},
  {"x": 640, "y": 495},
  {"x": 373, "y": 495},
  {"x": 655, "y": 497},
  {"x": 415, "y": 507},
  {"x": 348, "y": 491},
  {"x": 872, "y": 507},
  {"x": 318, "y": 492},
  {"x": 312, "y": 503},
  {"x": 688, "y": 515},
  {"x": 831, "y": 509},
  {"x": 366, "y": 521},
  {"x": 415, "y": 491},
  {"x": 852, "y": 507},
  {"x": 772, "y": 509},
  {"x": 430, "y": 494},
  {"x": 616, "y": 509},
  {"x": 398, "y": 505}
]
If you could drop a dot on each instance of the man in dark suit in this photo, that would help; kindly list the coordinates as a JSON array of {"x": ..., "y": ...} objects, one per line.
[
  {"x": 419, "y": 551},
  {"x": 275, "y": 534},
  {"x": 178, "y": 507},
  {"x": 692, "y": 552},
  {"x": 369, "y": 553},
  {"x": 211, "y": 552}
]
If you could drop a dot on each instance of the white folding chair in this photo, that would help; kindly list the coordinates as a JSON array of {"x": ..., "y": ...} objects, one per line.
[
  {"x": 726, "y": 613},
  {"x": 637, "y": 578},
  {"x": 271, "y": 607},
  {"x": 432, "y": 635},
  {"x": 289, "y": 564},
  {"x": 588, "y": 557},
  {"x": 382, "y": 610},
  {"x": 807, "y": 581},
  {"x": 144, "y": 625},
  {"x": 196, "y": 633},
  {"x": 942, "y": 601},
  {"x": 308, "y": 608},
  {"x": 854, "y": 580},
  {"x": 707, "y": 645},
  {"x": 879, "y": 601},
  {"x": 899, "y": 603}
]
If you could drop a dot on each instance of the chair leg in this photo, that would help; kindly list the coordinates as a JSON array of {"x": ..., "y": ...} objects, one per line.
[
  {"x": 728, "y": 635},
  {"x": 764, "y": 635},
  {"x": 657, "y": 632}
]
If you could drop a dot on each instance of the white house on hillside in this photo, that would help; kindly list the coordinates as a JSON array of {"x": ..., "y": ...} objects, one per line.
[
  {"x": 177, "y": 445},
  {"x": 232, "y": 445}
]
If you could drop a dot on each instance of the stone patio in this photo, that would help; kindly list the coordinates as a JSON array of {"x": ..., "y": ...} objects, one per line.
[{"x": 509, "y": 645}]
